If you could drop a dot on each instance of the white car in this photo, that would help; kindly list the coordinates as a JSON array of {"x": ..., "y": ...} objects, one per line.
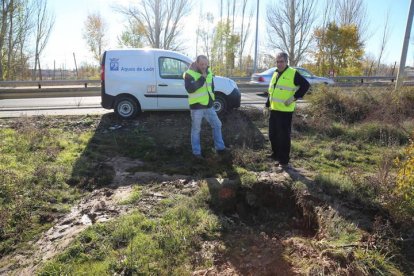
[
  {"x": 135, "y": 80},
  {"x": 265, "y": 77}
]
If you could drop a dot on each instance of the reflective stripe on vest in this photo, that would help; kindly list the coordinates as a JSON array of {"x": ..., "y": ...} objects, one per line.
[
  {"x": 284, "y": 89},
  {"x": 201, "y": 95}
]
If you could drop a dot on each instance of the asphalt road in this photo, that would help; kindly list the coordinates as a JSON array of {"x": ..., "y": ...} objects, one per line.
[{"x": 79, "y": 106}]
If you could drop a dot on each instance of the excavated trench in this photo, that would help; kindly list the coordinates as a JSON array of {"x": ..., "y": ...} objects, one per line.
[
  {"x": 271, "y": 205},
  {"x": 257, "y": 221}
]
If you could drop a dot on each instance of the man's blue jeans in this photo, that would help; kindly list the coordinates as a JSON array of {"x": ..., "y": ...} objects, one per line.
[{"x": 197, "y": 116}]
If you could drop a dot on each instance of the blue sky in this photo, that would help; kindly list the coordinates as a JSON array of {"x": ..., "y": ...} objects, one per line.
[{"x": 66, "y": 37}]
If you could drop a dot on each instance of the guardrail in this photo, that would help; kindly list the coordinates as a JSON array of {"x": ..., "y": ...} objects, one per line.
[
  {"x": 363, "y": 79},
  {"x": 44, "y": 83},
  {"x": 89, "y": 88}
]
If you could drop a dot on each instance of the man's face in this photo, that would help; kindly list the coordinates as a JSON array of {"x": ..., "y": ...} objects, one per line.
[
  {"x": 202, "y": 64},
  {"x": 280, "y": 64}
]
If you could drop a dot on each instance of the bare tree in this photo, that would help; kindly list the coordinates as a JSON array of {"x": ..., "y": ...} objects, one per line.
[
  {"x": 353, "y": 12},
  {"x": 244, "y": 32},
  {"x": 94, "y": 34},
  {"x": 289, "y": 27},
  {"x": 384, "y": 39},
  {"x": 18, "y": 33},
  {"x": 44, "y": 22},
  {"x": 24, "y": 30},
  {"x": 161, "y": 20},
  {"x": 5, "y": 10},
  {"x": 206, "y": 33}
]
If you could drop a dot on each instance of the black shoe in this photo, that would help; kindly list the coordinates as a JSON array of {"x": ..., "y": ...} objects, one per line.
[{"x": 285, "y": 166}]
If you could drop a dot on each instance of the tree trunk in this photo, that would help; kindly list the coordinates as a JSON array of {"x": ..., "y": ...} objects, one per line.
[
  {"x": 292, "y": 42},
  {"x": 3, "y": 29},
  {"x": 10, "y": 46}
]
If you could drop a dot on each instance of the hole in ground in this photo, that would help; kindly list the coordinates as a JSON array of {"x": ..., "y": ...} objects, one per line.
[
  {"x": 256, "y": 221},
  {"x": 272, "y": 206}
]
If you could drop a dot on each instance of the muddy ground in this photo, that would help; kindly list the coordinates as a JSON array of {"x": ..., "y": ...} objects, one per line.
[
  {"x": 265, "y": 219},
  {"x": 256, "y": 244}
]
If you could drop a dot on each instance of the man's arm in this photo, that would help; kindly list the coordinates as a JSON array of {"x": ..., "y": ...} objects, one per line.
[
  {"x": 303, "y": 85},
  {"x": 191, "y": 85},
  {"x": 269, "y": 89}
]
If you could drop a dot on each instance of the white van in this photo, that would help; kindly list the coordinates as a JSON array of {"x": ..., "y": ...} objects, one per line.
[{"x": 135, "y": 80}]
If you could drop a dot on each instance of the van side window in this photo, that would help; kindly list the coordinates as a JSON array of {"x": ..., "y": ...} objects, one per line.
[{"x": 171, "y": 68}]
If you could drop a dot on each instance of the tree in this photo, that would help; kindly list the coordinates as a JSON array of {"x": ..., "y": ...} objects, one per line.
[
  {"x": 44, "y": 23},
  {"x": 384, "y": 40},
  {"x": 132, "y": 36},
  {"x": 289, "y": 27},
  {"x": 5, "y": 10},
  {"x": 342, "y": 47},
  {"x": 19, "y": 34},
  {"x": 94, "y": 34},
  {"x": 206, "y": 34},
  {"x": 223, "y": 33},
  {"x": 161, "y": 20},
  {"x": 15, "y": 20},
  {"x": 350, "y": 12},
  {"x": 327, "y": 17},
  {"x": 244, "y": 32}
]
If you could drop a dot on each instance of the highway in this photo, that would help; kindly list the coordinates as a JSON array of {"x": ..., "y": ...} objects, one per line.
[{"x": 10, "y": 108}]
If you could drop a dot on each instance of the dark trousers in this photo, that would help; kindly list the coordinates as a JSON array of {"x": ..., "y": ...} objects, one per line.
[{"x": 280, "y": 126}]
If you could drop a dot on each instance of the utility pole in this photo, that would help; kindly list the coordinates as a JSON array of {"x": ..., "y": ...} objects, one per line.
[
  {"x": 401, "y": 69},
  {"x": 76, "y": 66},
  {"x": 257, "y": 33}
]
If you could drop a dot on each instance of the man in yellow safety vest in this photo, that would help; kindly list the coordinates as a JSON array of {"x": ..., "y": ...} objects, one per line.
[
  {"x": 200, "y": 87},
  {"x": 286, "y": 86}
]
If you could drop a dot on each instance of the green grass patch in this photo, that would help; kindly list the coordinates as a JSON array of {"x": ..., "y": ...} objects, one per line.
[
  {"x": 35, "y": 163},
  {"x": 135, "y": 244}
]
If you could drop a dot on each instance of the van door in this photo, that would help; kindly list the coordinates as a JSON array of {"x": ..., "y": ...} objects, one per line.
[{"x": 170, "y": 84}]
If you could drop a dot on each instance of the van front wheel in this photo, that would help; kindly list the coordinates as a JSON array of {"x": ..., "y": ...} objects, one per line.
[
  {"x": 220, "y": 104},
  {"x": 126, "y": 107}
]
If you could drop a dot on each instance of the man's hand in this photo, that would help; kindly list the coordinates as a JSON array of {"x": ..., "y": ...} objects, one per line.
[{"x": 289, "y": 101}]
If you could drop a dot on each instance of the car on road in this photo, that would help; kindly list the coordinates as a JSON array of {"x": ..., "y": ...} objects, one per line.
[{"x": 265, "y": 77}]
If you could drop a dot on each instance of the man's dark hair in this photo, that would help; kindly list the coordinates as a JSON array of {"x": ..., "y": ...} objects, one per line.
[
  {"x": 201, "y": 57},
  {"x": 283, "y": 55}
]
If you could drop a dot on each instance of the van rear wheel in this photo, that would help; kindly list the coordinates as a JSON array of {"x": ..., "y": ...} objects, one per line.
[
  {"x": 126, "y": 107},
  {"x": 220, "y": 104}
]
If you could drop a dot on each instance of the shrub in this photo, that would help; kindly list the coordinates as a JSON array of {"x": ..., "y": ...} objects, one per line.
[
  {"x": 405, "y": 179},
  {"x": 337, "y": 105},
  {"x": 353, "y": 105}
]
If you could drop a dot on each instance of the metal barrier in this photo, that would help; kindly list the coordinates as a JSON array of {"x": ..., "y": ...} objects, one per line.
[
  {"x": 48, "y": 83},
  {"x": 89, "y": 88},
  {"x": 362, "y": 79}
]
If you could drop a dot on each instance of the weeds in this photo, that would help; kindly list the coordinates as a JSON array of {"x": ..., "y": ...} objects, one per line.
[{"x": 135, "y": 244}]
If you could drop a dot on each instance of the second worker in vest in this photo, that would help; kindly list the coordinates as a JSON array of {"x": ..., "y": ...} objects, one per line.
[
  {"x": 200, "y": 87},
  {"x": 286, "y": 86}
]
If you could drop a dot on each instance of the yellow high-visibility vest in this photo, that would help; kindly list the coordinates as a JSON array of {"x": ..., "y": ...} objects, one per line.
[
  {"x": 283, "y": 90},
  {"x": 201, "y": 95}
]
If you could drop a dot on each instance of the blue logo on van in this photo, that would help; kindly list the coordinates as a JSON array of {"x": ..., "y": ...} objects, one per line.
[{"x": 114, "y": 65}]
